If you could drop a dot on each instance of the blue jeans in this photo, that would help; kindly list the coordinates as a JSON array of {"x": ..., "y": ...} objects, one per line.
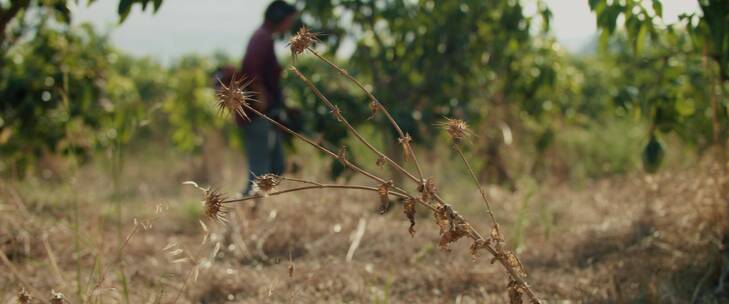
[{"x": 263, "y": 148}]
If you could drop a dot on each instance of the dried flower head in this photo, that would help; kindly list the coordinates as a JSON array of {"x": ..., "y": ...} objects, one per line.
[
  {"x": 301, "y": 41},
  {"x": 457, "y": 129},
  {"x": 476, "y": 246},
  {"x": 57, "y": 297},
  {"x": 267, "y": 182},
  {"x": 213, "y": 205},
  {"x": 24, "y": 297},
  {"x": 233, "y": 97}
]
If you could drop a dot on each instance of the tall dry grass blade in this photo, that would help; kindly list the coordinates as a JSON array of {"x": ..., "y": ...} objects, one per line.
[{"x": 356, "y": 239}]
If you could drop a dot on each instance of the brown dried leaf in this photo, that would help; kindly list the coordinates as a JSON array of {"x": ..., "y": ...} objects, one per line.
[
  {"x": 384, "y": 192},
  {"x": 409, "y": 210},
  {"x": 515, "y": 294},
  {"x": 24, "y": 297},
  {"x": 452, "y": 227},
  {"x": 476, "y": 248},
  {"x": 405, "y": 142},
  {"x": 515, "y": 263},
  {"x": 427, "y": 189}
]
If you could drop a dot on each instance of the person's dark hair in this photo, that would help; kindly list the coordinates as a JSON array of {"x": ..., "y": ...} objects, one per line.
[{"x": 277, "y": 11}]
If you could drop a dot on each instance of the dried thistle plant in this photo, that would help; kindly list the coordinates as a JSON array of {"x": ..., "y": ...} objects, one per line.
[
  {"x": 453, "y": 226},
  {"x": 267, "y": 183},
  {"x": 457, "y": 129},
  {"x": 213, "y": 203},
  {"x": 232, "y": 97},
  {"x": 302, "y": 41}
]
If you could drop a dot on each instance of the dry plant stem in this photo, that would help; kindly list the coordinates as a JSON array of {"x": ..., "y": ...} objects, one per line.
[
  {"x": 325, "y": 150},
  {"x": 375, "y": 100},
  {"x": 338, "y": 115},
  {"x": 498, "y": 254},
  {"x": 478, "y": 185},
  {"x": 316, "y": 186},
  {"x": 106, "y": 269},
  {"x": 314, "y": 144},
  {"x": 503, "y": 260},
  {"x": 303, "y": 181},
  {"x": 472, "y": 232}
]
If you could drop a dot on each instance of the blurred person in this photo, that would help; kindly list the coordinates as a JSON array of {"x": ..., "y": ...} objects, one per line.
[{"x": 263, "y": 141}]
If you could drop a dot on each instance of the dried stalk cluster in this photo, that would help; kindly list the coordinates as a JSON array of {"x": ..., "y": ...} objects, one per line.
[{"x": 453, "y": 226}]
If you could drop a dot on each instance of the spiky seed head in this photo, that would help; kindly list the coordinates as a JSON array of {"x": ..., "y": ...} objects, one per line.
[
  {"x": 213, "y": 205},
  {"x": 457, "y": 129},
  {"x": 57, "y": 297},
  {"x": 234, "y": 97},
  {"x": 267, "y": 182},
  {"x": 301, "y": 41},
  {"x": 24, "y": 297}
]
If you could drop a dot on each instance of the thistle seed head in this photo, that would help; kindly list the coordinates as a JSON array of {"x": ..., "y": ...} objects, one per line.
[
  {"x": 267, "y": 182},
  {"x": 301, "y": 41},
  {"x": 233, "y": 97},
  {"x": 24, "y": 297},
  {"x": 457, "y": 129},
  {"x": 213, "y": 205}
]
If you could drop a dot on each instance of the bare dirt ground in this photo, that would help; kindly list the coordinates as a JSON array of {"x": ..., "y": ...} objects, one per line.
[{"x": 627, "y": 239}]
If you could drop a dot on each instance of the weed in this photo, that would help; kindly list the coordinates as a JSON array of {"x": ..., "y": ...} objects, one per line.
[{"x": 235, "y": 100}]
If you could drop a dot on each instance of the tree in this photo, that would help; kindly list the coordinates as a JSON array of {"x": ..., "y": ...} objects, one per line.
[
  {"x": 692, "y": 53},
  {"x": 428, "y": 59},
  {"x": 56, "y": 9}
]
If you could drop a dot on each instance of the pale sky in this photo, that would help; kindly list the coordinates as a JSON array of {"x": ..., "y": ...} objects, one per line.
[{"x": 195, "y": 26}]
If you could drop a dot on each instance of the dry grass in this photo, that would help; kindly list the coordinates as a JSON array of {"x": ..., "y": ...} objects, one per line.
[{"x": 626, "y": 239}]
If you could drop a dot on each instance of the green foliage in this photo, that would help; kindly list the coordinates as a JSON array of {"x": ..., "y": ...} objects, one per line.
[
  {"x": 50, "y": 89},
  {"x": 189, "y": 107},
  {"x": 69, "y": 91},
  {"x": 16, "y": 12},
  {"x": 422, "y": 72},
  {"x": 677, "y": 94}
]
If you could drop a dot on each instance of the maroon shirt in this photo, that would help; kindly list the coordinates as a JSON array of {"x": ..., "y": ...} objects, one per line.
[{"x": 261, "y": 65}]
